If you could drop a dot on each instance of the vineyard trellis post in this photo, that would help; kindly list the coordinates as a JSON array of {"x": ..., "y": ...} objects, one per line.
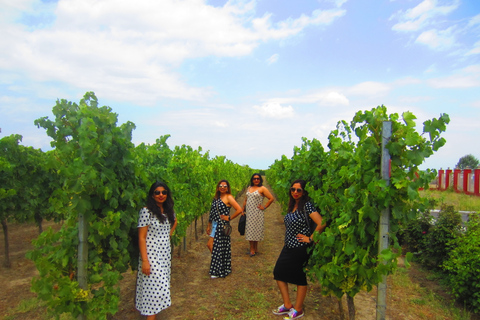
[
  {"x": 384, "y": 219},
  {"x": 82, "y": 257}
]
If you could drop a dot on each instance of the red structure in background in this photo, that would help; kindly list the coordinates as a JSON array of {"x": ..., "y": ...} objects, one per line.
[
  {"x": 456, "y": 178},
  {"x": 476, "y": 185},
  {"x": 460, "y": 180},
  {"x": 466, "y": 180}
]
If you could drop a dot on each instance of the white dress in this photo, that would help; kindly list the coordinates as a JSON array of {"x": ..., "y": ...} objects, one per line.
[
  {"x": 254, "y": 228},
  {"x": 153, "y": 291}
]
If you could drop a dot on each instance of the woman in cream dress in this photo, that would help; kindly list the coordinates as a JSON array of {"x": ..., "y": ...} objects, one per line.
[{"x": 253, "y": 206}]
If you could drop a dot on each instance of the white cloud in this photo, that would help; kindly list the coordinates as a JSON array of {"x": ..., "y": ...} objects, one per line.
[
  {"x": 337, "y": 3},
  {"x": 474, "y": 21},
  {"x": 324, "y": 97},
  {"x": 370, "y": 88},
  {"x": 221, "y": 124},
  {"x": 431, "y": 69},
  {"x": 455, "y": 81},
  {"x": 274, "y": 110},
  {"x": 130, "y": 51},
  {"x": 264, "y": 30},
  {"x": 328, "y": 98},
  {"x": 475, "y": 50},
  {"x": 439, "y": 40},
  {"x": 468, "y": 77},
  {"x": 421, "y": 15},
  {"x": 406, "y": 81},
  {"x": 273, "y": 59}
]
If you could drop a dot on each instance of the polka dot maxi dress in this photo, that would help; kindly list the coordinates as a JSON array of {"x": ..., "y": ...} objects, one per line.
[
  {"x": 221, "y": 264},
  {"x": 254, "y": 229},
  {"x": 153, "y": 291}
]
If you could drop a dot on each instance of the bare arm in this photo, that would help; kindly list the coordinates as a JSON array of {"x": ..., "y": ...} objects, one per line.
[
  {"x": 235, "y": 205},
  {"x": 142, "y": 245},
  {"x": 317, "y": 218},
  {"x": 264, "y": 192},
  {"x": 174, "y": 227},
  {"x": 245, "y": 201}
]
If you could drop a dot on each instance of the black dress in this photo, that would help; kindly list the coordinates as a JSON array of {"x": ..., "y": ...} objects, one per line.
[
  {"x": 294, "y": 255},
  {"x": 221, "y": 264}
]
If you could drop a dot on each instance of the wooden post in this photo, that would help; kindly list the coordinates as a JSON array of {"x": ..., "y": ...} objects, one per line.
[
  {"x": 82, "y": 256},
  {"x": 384, "y": 220}
]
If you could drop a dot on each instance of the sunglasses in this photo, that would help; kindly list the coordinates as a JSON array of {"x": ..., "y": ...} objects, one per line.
[
  {"x": 256, "y": 179},
  {"x": 295, "y": 189},
  {"x": 222, "y": 186},
  {"x": 157, "y": 192}
]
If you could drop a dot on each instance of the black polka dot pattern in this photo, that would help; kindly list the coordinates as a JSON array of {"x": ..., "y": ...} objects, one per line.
[
  {"x": 221, "y": 264},
  {"x": 254, "y": 229},
  {"x": 296, "y": 223},
  {"x": 153, "y": 291}
]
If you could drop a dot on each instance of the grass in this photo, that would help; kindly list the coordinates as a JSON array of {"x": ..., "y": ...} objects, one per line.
[
  {"x": 461, "y": 202},
  {"x": 426, "y": 301},
  {"x": 33, "y": 305}
]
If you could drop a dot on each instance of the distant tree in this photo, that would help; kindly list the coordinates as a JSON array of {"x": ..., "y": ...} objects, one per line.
[{"x": 467, "y": 161}]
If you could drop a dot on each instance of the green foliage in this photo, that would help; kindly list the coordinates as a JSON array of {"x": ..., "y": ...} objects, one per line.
[
  {"x": 99, "y": 179},
  {"x": 413, "y": 234},
  {"x": 468, "y": 161},
  {"x": 463, "y": 265},
  {"x": 432, "y": 239},
  {"x": 96, "y": 171},
  {"x": 25, "y": 183},
  {"x": 20, "y": 170},
  {"x": 346, "y": 185},
  {"x": 438, "y": 241}
]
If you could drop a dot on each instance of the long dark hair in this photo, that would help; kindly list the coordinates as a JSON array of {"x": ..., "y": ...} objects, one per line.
[
  {"x": 303, "y": 199},
  {"x": 261, "y": 179},
  {"x": 167, "y": 205},
  {"x": 217, "y": 192}
]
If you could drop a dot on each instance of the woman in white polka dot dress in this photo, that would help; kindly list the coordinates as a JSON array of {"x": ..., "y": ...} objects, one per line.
[
  {"x": 253, "y": 207},
  {"x": 156, "y": 225},
  {"x": 294, "y": 255},
  {"x": 219, "y": 244}
]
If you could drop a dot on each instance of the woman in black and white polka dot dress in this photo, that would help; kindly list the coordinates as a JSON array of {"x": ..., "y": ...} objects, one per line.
[
  {"x": 294, "y": 255},
  {"x": 219, "y": 244},
  {"x": 156, "y": 225}
]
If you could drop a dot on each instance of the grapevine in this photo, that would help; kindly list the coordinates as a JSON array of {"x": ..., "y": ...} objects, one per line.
[
  {"x": 346, "y": 185},
  {"x": 102, "y": 177}
]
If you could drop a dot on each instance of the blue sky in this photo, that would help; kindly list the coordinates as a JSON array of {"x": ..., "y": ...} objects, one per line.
[{"x": 244, "y": 79}]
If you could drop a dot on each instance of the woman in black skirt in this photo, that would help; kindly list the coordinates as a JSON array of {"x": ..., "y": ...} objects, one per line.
[{"x": 291, "y": 262}]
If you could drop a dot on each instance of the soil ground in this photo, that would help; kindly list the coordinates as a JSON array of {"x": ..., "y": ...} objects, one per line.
[{"x": 249, "y": 292}]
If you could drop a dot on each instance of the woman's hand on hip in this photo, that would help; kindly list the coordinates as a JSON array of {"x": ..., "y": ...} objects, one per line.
[{"x": 303, "y": 238}]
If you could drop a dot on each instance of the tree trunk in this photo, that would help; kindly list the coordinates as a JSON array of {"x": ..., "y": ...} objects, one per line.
[
  {"x": 340, "y": 308},
  {"x": 7, "y": 263},
  {"x": 196, "y": 235},
  {"x": 39, "y": 220},
  {"x": 351, "y": 308}
]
